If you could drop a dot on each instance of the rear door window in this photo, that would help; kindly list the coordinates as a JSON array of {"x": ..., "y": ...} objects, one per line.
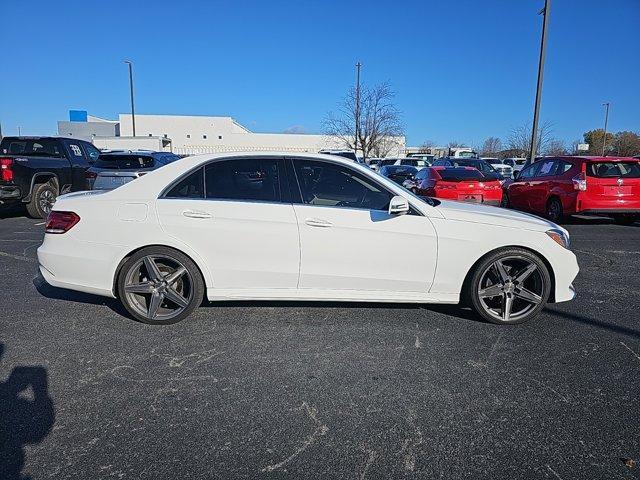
[
  {"x": 192, "y": 186},
  {"x": 43, "y": 147},
  {"x": 613, "y": 169},
  {"x": 244, "y": 179}
]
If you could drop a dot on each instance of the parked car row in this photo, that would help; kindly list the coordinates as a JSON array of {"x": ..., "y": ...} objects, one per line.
[
  {"x": 554, "y": 187},
  {"x": 557, "y": 187},
  {"x": 35, "y": 170}
]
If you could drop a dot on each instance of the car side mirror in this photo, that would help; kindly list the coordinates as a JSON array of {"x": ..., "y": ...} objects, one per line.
[
  {"x": 516, "y": 175},
  {"x": 398, "y": 206}
]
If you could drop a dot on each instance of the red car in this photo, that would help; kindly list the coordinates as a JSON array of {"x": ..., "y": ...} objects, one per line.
[
  {"x": 464, "y": 184},
  {"x": 560, "y": 186}
]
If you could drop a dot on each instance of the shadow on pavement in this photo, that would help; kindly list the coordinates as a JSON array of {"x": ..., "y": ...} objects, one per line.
[
  {"x": 594, "y": 322},
  {"x": 12, "y": 211},
  {"x": 55, "y": 293},
  {"x": 26, "y": 416}
]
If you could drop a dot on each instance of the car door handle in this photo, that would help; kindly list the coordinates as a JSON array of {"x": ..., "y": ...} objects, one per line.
[
  {"x": 317, "y": 222},
  {"x": 196, "y": 214}
]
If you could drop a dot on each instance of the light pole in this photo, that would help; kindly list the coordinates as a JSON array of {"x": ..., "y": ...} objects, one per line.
[
  {"x": 358, "y": 65},
  {"x": 536, "y": 112},
  {"x": 606, "y": 122},
  {"x": 133, "y": 111}
]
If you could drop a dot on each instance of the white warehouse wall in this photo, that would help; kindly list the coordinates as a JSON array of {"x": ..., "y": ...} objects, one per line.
[{"x": 223, "y": 134}]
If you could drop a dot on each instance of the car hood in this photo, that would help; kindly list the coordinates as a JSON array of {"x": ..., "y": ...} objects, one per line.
[{"x": 474, "y": 213}]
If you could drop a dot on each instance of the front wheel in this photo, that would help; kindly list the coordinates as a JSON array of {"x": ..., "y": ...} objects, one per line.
[
  {"x": 160, "y": 286},
  {"x": 510, "y": 286}
]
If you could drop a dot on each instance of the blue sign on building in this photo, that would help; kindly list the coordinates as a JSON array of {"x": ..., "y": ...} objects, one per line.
[{"x": 77, "y": 115}]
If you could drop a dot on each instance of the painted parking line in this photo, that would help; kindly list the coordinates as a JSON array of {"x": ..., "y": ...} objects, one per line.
[
  {"x": 41, "y": 223},
  {"x": 18, "y": 257}
]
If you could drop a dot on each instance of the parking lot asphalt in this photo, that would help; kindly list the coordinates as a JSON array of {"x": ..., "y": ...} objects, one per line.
[{"x": 284, "y": 390}]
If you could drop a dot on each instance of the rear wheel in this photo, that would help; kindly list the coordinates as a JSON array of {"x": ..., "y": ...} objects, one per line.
[
  {"x": 43, "y": 197},
  {"x": 554, "y": 210},
  {"x": 160, "y": 286},
  {"x": 625, "y": 219},
  {"x": 510, "y": 286}
]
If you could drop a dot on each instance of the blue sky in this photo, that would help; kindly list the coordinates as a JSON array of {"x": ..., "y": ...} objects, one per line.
[{"x": 462, "y": 69}]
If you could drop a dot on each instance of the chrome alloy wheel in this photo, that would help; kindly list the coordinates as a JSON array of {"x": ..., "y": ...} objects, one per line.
[
  {"x": 510, "y": 288},
  {"x": 46, "y": 199},
  {"x": 158, "y": 287}
]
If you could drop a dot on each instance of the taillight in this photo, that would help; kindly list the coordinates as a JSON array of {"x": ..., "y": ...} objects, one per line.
[
  {"x": 60, "y": 222},
  {"x": 490, "y": 185},
  {"x": 90, "y": 175},
  {"x": 6, "y": 166},
  {"x": 580, "y": 181},
  {"x": 445, "y": 186}
]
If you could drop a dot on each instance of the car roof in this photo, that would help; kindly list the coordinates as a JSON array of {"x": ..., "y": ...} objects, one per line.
[{"x": 594, "y": 158}]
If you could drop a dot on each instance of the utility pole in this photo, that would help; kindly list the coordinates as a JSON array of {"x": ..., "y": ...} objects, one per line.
[
  {"x": 19, "y": 131},
  {"x": 133, "y": 112},
  {"x": 543, "y": 47},
  {"x": 606, "y": 123},
  {"x": 358, "y": 65}
]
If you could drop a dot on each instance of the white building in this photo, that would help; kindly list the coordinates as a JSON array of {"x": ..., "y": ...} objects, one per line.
[{"x": 192, "y": 134}]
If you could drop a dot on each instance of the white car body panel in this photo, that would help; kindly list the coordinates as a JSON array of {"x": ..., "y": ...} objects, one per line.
[
  {"x": 227, "y": 240},
  {"x": 262, "y": 251},
  {"x": 360, "y": 234}
]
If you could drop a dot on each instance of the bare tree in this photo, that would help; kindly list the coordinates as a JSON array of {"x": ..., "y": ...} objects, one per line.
[
  {"x": 378, "y": 122},
  {"x": 427, "y": 146},
  {"x": 455, "y": 144},
  {"x": 385, "y": 146},
  {"x": 556, "y": 147},
  {"x": 519, "y": 139},
  {"x": 491, "y": 147}
]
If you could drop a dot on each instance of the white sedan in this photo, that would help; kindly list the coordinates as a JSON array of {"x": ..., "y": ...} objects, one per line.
[{"x": 298, "y": 227}]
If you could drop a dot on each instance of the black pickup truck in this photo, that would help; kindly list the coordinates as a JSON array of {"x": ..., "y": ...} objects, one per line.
[{"x": 35, "y": 170}]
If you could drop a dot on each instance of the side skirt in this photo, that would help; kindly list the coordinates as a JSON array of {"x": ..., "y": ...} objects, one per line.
[{"x": 305, "y": 294}]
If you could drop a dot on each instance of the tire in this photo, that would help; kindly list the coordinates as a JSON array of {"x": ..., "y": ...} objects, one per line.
[
  {"x": 554, "y": 210},
  {"x": 486, "y": 280},
  {"x": 151, "y": 297},
  {"x": 504, "y": 202},
  {"x": 42, "y": 198},
  {"x": 625, "y": 219}
]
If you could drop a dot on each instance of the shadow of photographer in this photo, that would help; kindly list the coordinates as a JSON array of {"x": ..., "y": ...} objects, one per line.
[{"x": 26, "y": 416}]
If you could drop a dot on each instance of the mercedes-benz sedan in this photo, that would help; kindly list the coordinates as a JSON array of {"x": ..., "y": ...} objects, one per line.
[{"x": 298, "y": 227}]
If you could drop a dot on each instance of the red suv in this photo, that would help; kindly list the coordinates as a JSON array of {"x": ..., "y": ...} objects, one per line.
[{"x": 568, "y": 185}]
